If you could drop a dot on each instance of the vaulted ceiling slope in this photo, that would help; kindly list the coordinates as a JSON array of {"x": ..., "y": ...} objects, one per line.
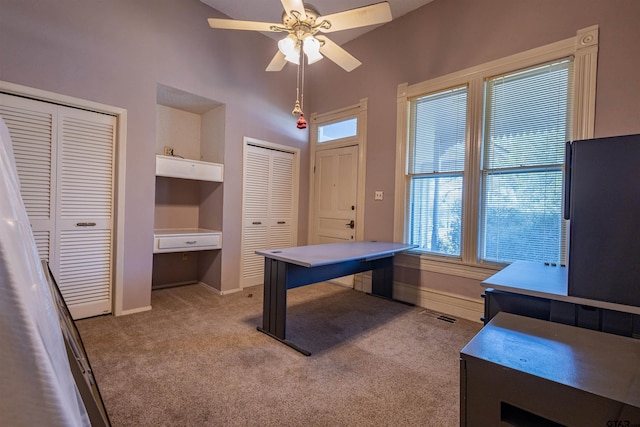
[{"x": 271, "y": 11}]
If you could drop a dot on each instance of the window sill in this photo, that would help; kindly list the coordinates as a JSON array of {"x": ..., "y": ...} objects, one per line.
[{"x": 452, "y": 267}]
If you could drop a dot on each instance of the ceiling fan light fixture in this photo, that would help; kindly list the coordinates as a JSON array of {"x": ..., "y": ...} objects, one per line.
[
  {"x": 311, "y": 47},
  {"x": 290, "y": 49}
]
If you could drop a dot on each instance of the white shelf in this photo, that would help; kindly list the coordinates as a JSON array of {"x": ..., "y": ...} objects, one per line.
[
  {"x": 176, "y": 167},
  {"x": 185, "y": 240}
]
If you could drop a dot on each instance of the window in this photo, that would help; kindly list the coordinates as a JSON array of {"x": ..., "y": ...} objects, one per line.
[
  {"x": 436, "y": 170},
  {"x": 338, "y": 130},
  {"x": 482, "y": 178},
  {"x": 525, "y": 129}
]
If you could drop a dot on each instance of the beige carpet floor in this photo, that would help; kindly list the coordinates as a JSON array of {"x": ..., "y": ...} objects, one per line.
[{"x": 197, "y": 359}]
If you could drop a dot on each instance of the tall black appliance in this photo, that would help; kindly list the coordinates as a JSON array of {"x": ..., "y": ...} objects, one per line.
[{"x": 602, "y": 200}]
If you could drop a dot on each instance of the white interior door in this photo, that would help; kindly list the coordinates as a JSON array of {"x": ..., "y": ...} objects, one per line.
[{"x": 335, "y": 190}]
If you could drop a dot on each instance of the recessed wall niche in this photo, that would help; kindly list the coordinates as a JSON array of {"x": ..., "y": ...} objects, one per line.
[{"x": 189, "y": 189}]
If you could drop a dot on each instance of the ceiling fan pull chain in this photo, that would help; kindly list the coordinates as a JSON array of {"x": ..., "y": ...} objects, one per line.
[
  {"x": 296, "y": 109},
  {"x": 302, "y": 81},
  {"x": 302, "y": 123}
]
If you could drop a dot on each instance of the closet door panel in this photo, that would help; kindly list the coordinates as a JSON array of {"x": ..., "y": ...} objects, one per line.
[
  {"x": 281, "y": 200},
  {"x": 32, "y": 125},
  {"x": 281, "y": 186},
  {"x": 255, "y": 202},
  {"x": 84, "y": 220}
]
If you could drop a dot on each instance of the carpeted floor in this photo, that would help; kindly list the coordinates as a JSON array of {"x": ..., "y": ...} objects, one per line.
[{"x": 197, "y": 359}]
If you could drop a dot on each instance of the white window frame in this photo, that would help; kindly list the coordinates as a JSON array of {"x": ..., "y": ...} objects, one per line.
[{"x": 583, "y": 48}]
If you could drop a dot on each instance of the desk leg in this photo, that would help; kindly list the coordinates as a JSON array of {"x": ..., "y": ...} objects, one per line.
[
  {"x": 382, "y": 278},
  {"x": 274, "y": 308}
]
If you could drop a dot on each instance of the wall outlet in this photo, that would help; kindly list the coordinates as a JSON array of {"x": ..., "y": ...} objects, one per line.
[
  {"x": 379, "y": 195},
  {"x": 168, "y": 151}
]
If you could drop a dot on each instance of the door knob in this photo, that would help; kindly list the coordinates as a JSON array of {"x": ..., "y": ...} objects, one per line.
[{"x": 351, "y": 224}]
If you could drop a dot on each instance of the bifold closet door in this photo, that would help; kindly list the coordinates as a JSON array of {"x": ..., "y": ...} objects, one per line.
[
  {"x": 32, "y": 126},
  {"x": 268, "y": 199},
  {"x": 65, "y": 162},
  {"x": 84, "y": 214}
]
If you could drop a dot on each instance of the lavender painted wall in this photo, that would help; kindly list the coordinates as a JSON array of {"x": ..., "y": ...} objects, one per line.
[
  {"x": 115, "y": 52},
  {"x": 450, "y": 35}
]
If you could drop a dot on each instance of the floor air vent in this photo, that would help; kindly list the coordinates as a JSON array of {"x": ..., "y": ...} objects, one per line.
[
  {"x": 447, "y": 319},
  {"x": 439, "y": 316}
]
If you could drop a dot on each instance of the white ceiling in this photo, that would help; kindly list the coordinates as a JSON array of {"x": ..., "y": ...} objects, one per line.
[{"x": 271, "y": 11}]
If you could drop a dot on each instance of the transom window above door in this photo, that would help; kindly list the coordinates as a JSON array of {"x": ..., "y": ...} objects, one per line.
[{"x": 338, "y": 130}]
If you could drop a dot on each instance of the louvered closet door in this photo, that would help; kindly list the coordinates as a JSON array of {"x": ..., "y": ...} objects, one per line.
[
  {"x": 84, "y": 215},
  {"x": 268, "y": 208},
  {"x": 32, "y": 125},
  {"x": 64, "y": 158},
  {"x": 281, "y": 200},
  {"x": 256, "y": 214}
]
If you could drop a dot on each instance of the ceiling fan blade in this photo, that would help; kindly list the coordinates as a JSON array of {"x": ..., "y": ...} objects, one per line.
[
  {"x": 277, "y": 63},
  {"x": 233, "y": 24},
  {"x": 337, "y": 54},
  {"x": 359, "y": 17},
  {"x": 294, "y": 5}
]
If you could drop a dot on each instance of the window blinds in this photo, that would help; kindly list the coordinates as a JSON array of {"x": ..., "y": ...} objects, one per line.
[
  {"x": 436, "y": 168},
  {"x": 526, "y": 125}
]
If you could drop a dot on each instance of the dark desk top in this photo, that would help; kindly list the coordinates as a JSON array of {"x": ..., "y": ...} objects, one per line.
[
  {"x": 544, "y": 281},
  {"x": 604, "y": 364},
  {"x": 531, "y": 276},
  {"x": 331, "y": 253}
]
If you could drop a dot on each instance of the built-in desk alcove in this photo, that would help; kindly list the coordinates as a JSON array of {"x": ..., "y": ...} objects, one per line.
[{"x": 187, "y": 241}]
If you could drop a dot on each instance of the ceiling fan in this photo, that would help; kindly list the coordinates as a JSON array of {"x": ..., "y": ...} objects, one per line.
[{"x": 302, "y": 23}]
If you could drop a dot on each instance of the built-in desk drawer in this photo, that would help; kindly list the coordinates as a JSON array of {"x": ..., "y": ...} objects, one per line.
[
  {"x": 175, "y": 167},
  {"x": 181, "y": 240}
]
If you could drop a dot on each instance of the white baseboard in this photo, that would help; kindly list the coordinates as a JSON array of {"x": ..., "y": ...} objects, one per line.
[
  {"x": 218, "y": 291},
  {"x": 133, "y": 311},
  {"x": 440, "y": 301},
  {"x": 211, "y": 288},
  {"x": 173, "y": 285}
]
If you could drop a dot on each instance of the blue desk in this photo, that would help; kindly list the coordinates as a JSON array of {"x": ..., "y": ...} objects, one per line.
[{"x": 289, "y": 268}]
